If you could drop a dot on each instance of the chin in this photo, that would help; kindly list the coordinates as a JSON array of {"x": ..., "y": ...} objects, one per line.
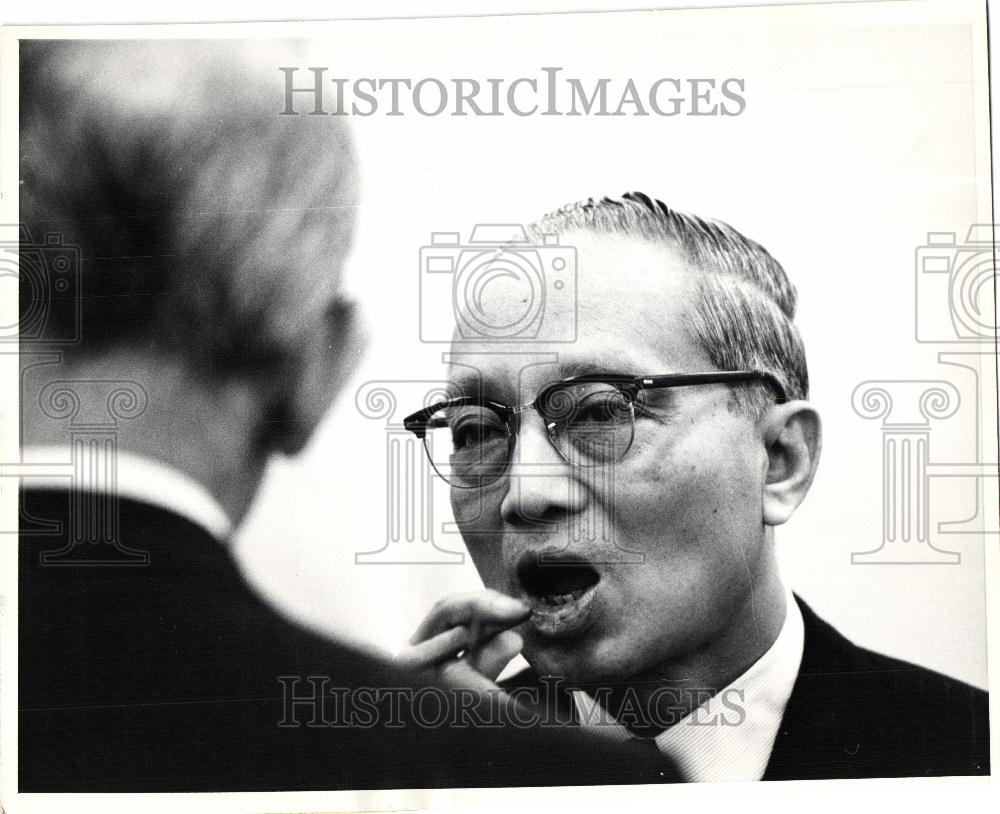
[{"x": 577, "y": 666}]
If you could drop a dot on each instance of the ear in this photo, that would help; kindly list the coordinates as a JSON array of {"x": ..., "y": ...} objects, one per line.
[
  {"x": 793, "y": 436},
  {"x": 325, "y": 360}
]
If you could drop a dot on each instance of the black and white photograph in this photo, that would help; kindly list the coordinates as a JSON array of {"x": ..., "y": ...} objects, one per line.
[{"x": 589, "y": 407}]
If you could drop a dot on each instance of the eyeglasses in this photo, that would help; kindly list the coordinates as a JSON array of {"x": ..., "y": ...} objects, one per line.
[{"x": 590, "y": 420}]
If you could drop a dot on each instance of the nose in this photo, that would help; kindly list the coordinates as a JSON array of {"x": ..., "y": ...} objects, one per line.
[{"x": 542, "y": 489}]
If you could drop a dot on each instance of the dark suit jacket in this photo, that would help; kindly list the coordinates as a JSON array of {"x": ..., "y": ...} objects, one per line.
[
  {"x": 853, "y": 713},
  {"x": 165, "y": 677}
]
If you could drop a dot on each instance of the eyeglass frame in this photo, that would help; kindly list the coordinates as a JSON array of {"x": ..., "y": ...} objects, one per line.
[{"x": 630, "y": 386}]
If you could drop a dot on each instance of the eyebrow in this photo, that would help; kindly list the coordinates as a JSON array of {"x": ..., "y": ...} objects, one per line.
[
  {"x": 573, "y": 369},
  {"x": 482, "y": 385},
  {"x": 471, "y": 385}
]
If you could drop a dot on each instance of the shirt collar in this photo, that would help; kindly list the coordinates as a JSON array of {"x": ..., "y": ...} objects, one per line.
[
  {"x": 730, "y": 736},
  {"x": 139, "y": 478}
]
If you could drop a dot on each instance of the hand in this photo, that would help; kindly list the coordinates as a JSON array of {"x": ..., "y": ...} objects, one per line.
[{"x": 466, "y": 639}]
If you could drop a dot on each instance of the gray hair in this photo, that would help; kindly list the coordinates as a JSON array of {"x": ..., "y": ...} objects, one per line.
[
  {"x": 210, "y": 228},
  {"x": 745, "y": 306}
]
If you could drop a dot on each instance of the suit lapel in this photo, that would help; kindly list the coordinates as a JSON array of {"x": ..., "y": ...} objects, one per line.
[{"x": 819, "y": 726}]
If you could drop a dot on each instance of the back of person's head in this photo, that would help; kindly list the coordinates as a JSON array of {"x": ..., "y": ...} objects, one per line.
[
  {"x": 211, "y": 230},
  {"x": 745, "y": 304}
]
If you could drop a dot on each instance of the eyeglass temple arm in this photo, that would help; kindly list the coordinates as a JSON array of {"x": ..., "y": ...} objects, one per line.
[{"x": 720, "y": 377}]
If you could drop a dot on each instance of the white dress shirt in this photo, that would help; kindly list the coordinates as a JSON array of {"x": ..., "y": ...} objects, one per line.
[
  {"x": 715, "y": 741},
  {"x": 137, "y": 477}
]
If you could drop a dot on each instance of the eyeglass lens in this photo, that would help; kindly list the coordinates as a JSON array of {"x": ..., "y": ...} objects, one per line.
[{"x": 590, "y": 424}]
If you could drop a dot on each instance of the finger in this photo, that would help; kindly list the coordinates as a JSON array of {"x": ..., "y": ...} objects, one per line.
[
  {"x": 450, "y": 607},
  {"x": 459, "y": 673},
  {"x": 496, "y": 654},
  {"x": 429, "y": 653},
  {"x": 486, "y": 606},
  {"x": 493, "y": 610}
]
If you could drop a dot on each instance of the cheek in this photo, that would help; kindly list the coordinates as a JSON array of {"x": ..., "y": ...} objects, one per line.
[
  {"x": 477, "y": 513},
  {"x": 675, "y": 496}
]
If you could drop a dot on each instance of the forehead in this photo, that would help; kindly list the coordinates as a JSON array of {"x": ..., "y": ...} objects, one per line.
[{"x": 629, "y": 316}]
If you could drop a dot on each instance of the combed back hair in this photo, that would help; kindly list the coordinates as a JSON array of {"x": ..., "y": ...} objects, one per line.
[
  {"x": 745, "y": 305},
  {"x": 210, "y": 227}
]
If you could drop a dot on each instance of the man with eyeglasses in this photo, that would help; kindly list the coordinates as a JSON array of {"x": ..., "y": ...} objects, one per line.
[{"x": 619, "y": 496}]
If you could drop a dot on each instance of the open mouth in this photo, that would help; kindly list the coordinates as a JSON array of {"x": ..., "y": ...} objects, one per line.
[{"x": 559, "y": 592}]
